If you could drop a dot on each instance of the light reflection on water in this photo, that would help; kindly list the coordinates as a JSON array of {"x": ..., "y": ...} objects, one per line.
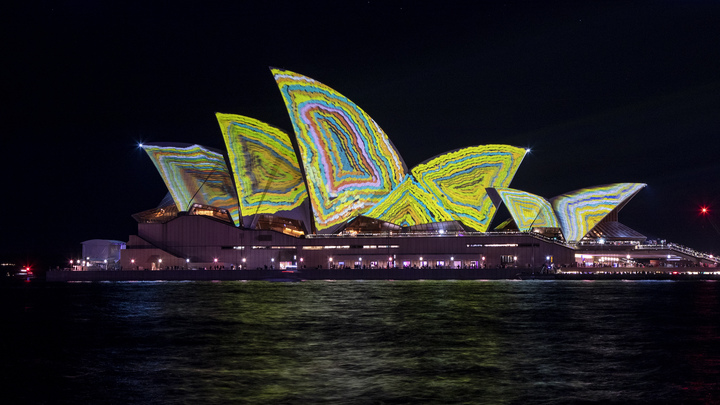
[{"x": 364, "y": 342}]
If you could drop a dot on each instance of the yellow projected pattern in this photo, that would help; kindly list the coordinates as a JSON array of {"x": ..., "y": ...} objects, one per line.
[
  {"x": 409, "y": 204},
  {"x": 349, "y": 162},
  {"x": 580, "y": 210},
  {"x": 265, "y": 167},
  {"x": 459, "y": 179},
  {"x": 528, "y": 210},
  {"x": 197, "y": 175}
]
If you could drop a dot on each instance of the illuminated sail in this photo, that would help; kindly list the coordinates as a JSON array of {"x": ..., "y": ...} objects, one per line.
[
  {"x": 528, "y": 210},
  {"x": 459, "y": 179},
  {"x": 349, "y": 162},
  {"x": 409, "y": 204},
  {"x": 264, "y": 164},
  {"x": 580, "y": 210},
  {"x": 195, "y": 174}
]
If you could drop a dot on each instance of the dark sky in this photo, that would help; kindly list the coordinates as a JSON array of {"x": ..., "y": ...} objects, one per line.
[{"x": 602, "y": 92}]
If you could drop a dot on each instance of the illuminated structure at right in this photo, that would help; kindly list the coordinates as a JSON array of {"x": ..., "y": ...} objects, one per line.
[
  {"x": 581, "y": 210},
  {"x": 576, "y": 213}
]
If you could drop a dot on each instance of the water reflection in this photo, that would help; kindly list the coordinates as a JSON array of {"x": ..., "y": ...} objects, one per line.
[{"x": 367, "y": 342}]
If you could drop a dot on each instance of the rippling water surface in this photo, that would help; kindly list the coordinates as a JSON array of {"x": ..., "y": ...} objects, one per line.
[{"x": 362, "y": 342}]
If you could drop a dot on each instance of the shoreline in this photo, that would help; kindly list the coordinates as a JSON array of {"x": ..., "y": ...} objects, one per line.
[{"x": 689, "y": 273}]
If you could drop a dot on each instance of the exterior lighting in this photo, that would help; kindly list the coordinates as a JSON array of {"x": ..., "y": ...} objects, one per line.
[
  {"x": 215, "y": 260},
  {"x": 547, "y": 257},
  {"x": 601, "y": 241},
  {"x": 140, "y": 145},
  {"x": 359, "y": 258},
  {"x": 483, "y": 258},
  {"x": 71, "y": 262},
  {"x": 452, "y": 258},
  {"x": 243, "y": 260},
  {"x": 514, "y": 258},
  {"x": 272, "y": 259},
  {"x": 628, "y": 256},
  {"x": 131, "y": 261},
  {"x": 187, "y": 260},
  {"x": 301, "y": 259},
  {"x": 420, "y": 258}
]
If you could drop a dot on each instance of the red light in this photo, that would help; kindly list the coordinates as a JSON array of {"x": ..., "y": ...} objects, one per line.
[{"x": 704, "y": 210}]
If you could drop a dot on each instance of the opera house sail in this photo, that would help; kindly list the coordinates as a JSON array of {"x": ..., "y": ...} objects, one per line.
[
  {"x": 265, "y": 169},
  {"x": 195, "y": 174},
  {"x": 459, "y": 179},
  {"x": 349, "y": 162},
  {"x": 581, "y": 210}
]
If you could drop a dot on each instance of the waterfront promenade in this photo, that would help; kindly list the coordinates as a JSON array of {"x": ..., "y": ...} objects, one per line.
[{"x": 687, "y": 273}]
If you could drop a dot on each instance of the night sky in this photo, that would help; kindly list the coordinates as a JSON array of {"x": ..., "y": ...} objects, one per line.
[{"x": 602, "y": 92}]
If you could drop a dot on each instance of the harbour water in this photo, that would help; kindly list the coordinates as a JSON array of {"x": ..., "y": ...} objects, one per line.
[{"x": 356, "y": 342}]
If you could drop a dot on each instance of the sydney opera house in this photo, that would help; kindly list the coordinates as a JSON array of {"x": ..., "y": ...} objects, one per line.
[{"x": 336, "y": 193}]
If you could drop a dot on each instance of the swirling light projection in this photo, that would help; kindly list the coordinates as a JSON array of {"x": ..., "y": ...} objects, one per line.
[
  {"x": 409, "y": 204},
  {"x": 264, "y": 164},
  {"x": 459, "y": 178},
  {"x": 195, "y": 174},
  {"x": 527, "y": 210},
  {"x": 349, "y": 162},
  {"x": 580, "y": 210}
]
